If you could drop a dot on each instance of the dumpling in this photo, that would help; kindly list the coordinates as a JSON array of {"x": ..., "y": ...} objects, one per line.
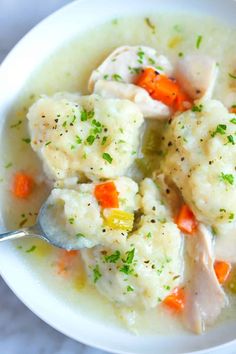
[
  {"x": 85, "y": 136},
  {"x": 200, "y": 158},
  {"x": 76, "y": 217},
  {"x": 146, "y": 268}
]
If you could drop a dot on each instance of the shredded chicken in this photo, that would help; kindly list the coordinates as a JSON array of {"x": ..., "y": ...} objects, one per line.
[
  {"x": 149, "y": 107},
  {"x": 205, "y": 296},
  {"x": 125, "y": 63},
  {"x": 197, "y": 75}
]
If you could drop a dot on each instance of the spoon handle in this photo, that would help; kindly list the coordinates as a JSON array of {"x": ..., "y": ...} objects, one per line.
[{"x": 13, "y": 235}]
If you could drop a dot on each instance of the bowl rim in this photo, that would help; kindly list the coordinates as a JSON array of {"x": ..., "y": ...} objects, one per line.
[{"x": 4, "y": 276}]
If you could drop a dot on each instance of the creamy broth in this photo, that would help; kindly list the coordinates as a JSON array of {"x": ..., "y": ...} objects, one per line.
[{"x": 68, "y": 70}]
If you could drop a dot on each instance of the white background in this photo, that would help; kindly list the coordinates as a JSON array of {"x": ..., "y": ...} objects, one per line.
[{"x": 21, "y": 332}]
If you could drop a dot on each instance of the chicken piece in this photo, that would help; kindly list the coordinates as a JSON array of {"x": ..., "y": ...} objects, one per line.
[
  {"x": 205, "y": 296},
  {"x": 149, "y": 107},
  {"x": 225, "y": 242},
  {"x": 125, "y": 64},
  {"x": 197, "y": 75}
]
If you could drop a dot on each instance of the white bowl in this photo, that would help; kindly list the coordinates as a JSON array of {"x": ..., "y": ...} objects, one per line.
[{"x": 15, "y": 70}]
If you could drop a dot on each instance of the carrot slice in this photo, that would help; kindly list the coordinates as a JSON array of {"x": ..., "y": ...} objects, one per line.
[
  {"x": 163, "y": 89},
  {"x": 176, "y": 300},
  {"x": 22, "y": 185},
  {"x": 147, "y": 80},
  {"x": 107, "y": 195},
  {"x": 65, "y": 261},
  {"x": 186, "y": 220},
  {"x": 232, "y": 109},
  {"x": 222, "y": 270}
]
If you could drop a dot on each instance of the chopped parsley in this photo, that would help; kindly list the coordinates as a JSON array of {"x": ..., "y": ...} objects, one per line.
[
  {"x": 78, "y": 139},
  {"x": 151, "y": 61},
  {"x": 126, "y": 269},
  {"x": 181, "y": 54},
  {"x": 31, "y": 249},
  {"x": 71, "y": 220},
  {"x": 227, "y": 178},
  {"x": 220, "y": 129},
  {"x": 149, "y": 235},
  {"x": 140, "y": 54},
  {"x": 129, "y": 288},
  {"x": 231, "y": 139},
  {"x": 83, "y": 116},
  {"x": 8, "y": 165},
  {"x": 233, "y": 120},
  {"x": 135, "y": 70},
  {"x": 96, "y": 274},
  {"x": 72, "y": 147},
  {"x": 90, "y": 139},
  {"x": 107, "y": 157},
  {"x": 16, "y": 125},
  {"x": 113, "y": 258},
  {"x": 199, "y": 41},
  {"x": 104, "y": 139},
  {"x": 79, "y": 235},
  {"x": 198, "y": 108},
  {"x": 48, "y": 143},
  {"x": 105, "y": 77},
  {"x": 116, "y": 77},
  {"x": 130, "y": 256},
  {"x": 64, "y": 124},
  {"x": 150, "y": 24},
  {"x": 232, "y": 76},
  {"x": 26, "y": 140},
  {"x": 231, "y": 216}
]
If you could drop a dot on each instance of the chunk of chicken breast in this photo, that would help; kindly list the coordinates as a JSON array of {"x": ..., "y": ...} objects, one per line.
[
  {"x": 225, "y": 242},
  {"x": 205, "y": 296},
  {"x": 116, "y": 77},
  {"x": 125, "y": 64},
  {"x": 149, "y": 107},
  {"x": 197, "y": 75}
]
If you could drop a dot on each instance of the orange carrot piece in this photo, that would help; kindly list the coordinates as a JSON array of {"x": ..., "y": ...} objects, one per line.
[
  {"x": 182, "y": 102},
  {"x": 176, "y": 300},
  {"x": 164, "y": 89},
  {"x": 147, "y": 80},
  {"x": 22, "y": 185},
  {"x": 186, "y": 220},
  {"x": 107, "y": 195},
  {"x": 232, "y": 109},
  {"x": 222, "y": 270},
  {"x": 64, "y": 262}
]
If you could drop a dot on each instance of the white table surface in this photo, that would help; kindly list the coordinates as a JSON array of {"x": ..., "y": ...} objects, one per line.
[{"x": 21, "y": 332}]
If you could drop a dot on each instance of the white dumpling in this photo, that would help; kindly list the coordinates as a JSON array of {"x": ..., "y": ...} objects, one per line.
[
  {"x": 89, "y": 135},
  {"x": 146, "y": 268},
  {"x": 75, "y": 218},
  {"x": 200, "y": 158}
]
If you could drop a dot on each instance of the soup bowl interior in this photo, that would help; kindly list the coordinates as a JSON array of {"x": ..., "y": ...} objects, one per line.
[{"x": 17, "y": 68}]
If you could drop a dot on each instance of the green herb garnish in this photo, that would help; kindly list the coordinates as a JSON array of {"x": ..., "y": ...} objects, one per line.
[
  {"x": 96, "y": 274},
  {"x": 227, "y": 178},
  {"x": 107, "y": 157},
  {"x": 26, "y": 140},
  {"x": 198, "y": 42},
  {"x": 220, "y": 129},
  {"x": 31, "y": 249},
  {"x": 113, "y": 258}
]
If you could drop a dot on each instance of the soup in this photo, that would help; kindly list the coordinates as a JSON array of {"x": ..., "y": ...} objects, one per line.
[{"x": 174, "y": 37}]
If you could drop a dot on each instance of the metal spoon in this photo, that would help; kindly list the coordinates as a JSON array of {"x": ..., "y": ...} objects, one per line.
[{"x": 55, "y": 234}]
